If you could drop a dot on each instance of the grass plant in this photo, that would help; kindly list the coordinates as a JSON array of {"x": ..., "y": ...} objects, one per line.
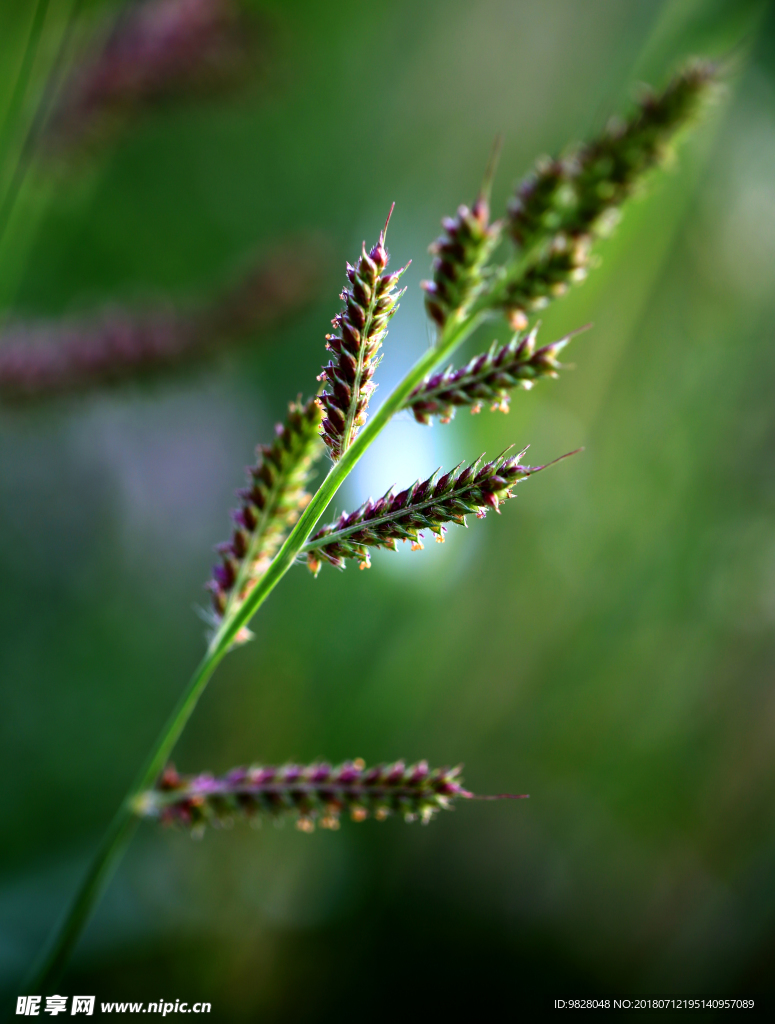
[{"x": 482, "y": 270}]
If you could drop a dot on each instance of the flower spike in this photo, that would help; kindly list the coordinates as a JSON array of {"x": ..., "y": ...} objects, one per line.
[
  {"x": 360, "y": 328},
  {"x": 488, "y": 378},
  {"x": 270, "y": 506},
  {"x": 428, "y": 505},
  {"x": 461, "y": 253},
  {"x": 573, "y": 195},
  {"x": 564, "y": 205},
  {"x": 312, "y": 793},
  {"x": 39, "y": 359}
]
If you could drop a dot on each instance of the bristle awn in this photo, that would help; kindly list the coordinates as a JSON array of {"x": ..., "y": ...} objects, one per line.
[{"x": 501, "y": 796}]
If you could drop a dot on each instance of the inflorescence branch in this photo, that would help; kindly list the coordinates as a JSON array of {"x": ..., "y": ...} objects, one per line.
[
  {"x": 563, "y": 205},
  {"x": 426, "y": 505},
  {"x": 370, "y": 302},
  {"x": 487, "y": 378},
  {"x": 571, "y": 195},
  {"x": 270, "y": 505},
  {"x": 312, "y": 793},
  {"x": 461, "y": 253}
]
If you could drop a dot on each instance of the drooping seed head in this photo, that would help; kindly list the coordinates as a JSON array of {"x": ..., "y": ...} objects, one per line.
[
  {"x": 39, "y": 359},
  {"x": 154, "y": 50}
]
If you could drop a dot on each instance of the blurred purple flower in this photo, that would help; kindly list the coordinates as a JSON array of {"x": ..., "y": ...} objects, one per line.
[
  {"x": 152, "y": 51},
  {"x": 38, "y": 359}
]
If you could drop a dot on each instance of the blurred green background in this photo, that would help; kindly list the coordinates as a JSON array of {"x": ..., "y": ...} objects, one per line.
[{"x": 607, "y": 645}]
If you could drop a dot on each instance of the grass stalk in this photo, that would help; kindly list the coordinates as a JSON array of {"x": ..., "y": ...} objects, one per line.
[{"x": 64, "y": 938}]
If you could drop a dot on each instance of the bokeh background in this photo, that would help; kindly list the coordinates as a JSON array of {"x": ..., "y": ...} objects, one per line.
[{"x": 607, "y": 645}]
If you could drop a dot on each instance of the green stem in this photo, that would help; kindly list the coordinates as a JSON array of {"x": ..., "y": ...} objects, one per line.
[{"x": 63, "y": 940}]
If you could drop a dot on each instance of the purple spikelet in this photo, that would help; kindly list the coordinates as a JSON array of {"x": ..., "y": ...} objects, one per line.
[
  {"x": 564, "y": 205},
  {"x": 429, "y": 504},
  {"x": 487, "y": 378},
  {"x": 42, "y": 359},
  {"x": 38, "y": 360},
  {"x": 315, "y": 793},
  {"x": 359, "y": 330},
  {"x": 461, "y": 252},
  {"x": 575, "y": 194},
  {"x": 270, "y": 505},
  {"x": 154, "y": 50}
]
